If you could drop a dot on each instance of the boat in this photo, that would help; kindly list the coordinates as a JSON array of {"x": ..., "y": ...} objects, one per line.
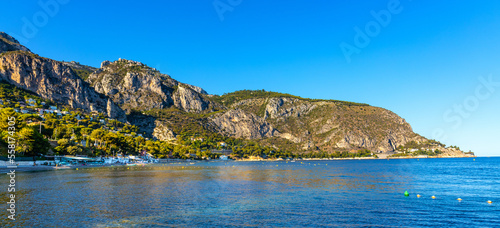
[{"x": 63, "y": 165}]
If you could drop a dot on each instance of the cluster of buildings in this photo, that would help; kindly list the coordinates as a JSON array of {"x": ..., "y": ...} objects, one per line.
[{"x": 29, "y": 106}]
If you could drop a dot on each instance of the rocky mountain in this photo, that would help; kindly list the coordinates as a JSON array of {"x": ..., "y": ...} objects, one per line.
[
  {"x": 164, "y": 108},
  {"x": 9, "y": 43},
  {"x": 51, "y": 79},
  {"x": 82, "y": 71},
  {"x": 240, "y": 124},
  {"x": 308, "y": 124},
  {"x": 135, "y": 86}
]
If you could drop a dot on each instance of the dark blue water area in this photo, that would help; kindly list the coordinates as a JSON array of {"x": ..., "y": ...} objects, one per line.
[{"x": 346, "y": 193}]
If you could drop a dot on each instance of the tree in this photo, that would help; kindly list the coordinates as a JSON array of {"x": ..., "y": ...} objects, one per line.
[
  {"x": 9, "y": 115},
  {"x": 97, "y": 134},
  {"x": 32, "y": 143},
  {"x": 75, "y": 150}
]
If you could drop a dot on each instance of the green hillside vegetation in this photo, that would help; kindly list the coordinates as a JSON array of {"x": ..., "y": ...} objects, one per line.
[
  {"x": 79, "y": 133},
  {"x": 120, "y": 68},
  {"x": 24, "y": 53},
  {"x": 13, "y": 96},
  {"x": 343, "y": 117},
  {"x": 229, "y": 99},
  {"x": 82, "y": 73}
]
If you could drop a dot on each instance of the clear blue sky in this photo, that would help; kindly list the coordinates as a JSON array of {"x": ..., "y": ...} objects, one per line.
[{"x": 425, "y": 60}]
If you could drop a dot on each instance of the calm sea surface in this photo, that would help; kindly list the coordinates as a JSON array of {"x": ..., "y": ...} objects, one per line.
[{"x": 263, "y": 194}]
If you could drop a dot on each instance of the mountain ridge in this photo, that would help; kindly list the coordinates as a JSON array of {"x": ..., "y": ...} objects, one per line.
[{"x": 162, "y": 106}]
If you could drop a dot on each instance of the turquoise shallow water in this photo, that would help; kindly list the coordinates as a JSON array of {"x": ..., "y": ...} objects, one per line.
[{"x": 264, "y": 194}]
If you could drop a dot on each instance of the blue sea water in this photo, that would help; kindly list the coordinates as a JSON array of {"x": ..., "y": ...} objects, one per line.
[{"x": 347, "y": 193}]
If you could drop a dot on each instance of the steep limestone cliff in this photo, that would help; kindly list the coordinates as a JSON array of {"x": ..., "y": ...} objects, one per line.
[
  {"x": 9, "y": 43},
  {"x": 135, "y": 86},
  {"x": 51, "y": 80},
  {"x": 239, "y": 124},
  {"x": 315, "y": 124},
  {"x": 164, "y": 108}
]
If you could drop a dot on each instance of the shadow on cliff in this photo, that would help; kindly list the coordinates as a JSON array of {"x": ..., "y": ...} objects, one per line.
[{"x": 146, "y": 123}]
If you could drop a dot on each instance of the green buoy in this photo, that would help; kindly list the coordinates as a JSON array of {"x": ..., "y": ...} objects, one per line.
[{"x": 406, "y": 193}]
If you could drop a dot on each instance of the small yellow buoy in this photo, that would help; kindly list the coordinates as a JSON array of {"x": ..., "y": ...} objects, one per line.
[
  {"x": 459, "y": 199},
  {"x": 76, "y": 168},
  {"x": 128, "y": 167},
  {"x": 474, "y": 159},
  {"x": 433, "y": 197},
  {"x": 489, "y": 201},
  {"x": 418, "y": 196}
]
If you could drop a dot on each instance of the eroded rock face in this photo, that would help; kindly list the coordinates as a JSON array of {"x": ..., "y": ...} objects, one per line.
[
  {"x": 135, "y": 86},
  {"x": 197, "y": 89},
  {"x": 240, "y": 124},
  {"x": 286, "y": 107},
  {"x": 130, "y": 85},
  {"x": 162, "y": 132},
  {"x": 8, "y": 43},
  {"x": 105, "y": 63},
  {"x": 189, "y": 100},
  {"x": 331, "y": 125},
  {"x": 54, "y": 81}
]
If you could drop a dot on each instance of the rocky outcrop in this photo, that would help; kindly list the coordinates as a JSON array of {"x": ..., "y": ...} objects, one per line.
[
  {"x": 239, "y": 124},
  {"x": 50, "y": 79},
  {"x": 162, "y": 132},
  {"x": 279, "y": 120},
  {"x": 325, "y": 125},
  {"x": 284, "y": 107},
  {"x": 135, "y": 86},
  {"x": 105, "y": 63},
  {"x": 189, "y": 100},
  {"x": 54, "y": 81},
  {"x": 197, "y": 89},
  {"x": 8, "y": 43}
]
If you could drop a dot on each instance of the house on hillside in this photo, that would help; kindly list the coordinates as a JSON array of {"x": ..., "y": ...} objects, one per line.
[{"x": 197, "y": 139}]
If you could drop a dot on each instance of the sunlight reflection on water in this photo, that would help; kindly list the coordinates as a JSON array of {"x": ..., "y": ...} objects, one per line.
[{"x": 308, "y": 193}]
